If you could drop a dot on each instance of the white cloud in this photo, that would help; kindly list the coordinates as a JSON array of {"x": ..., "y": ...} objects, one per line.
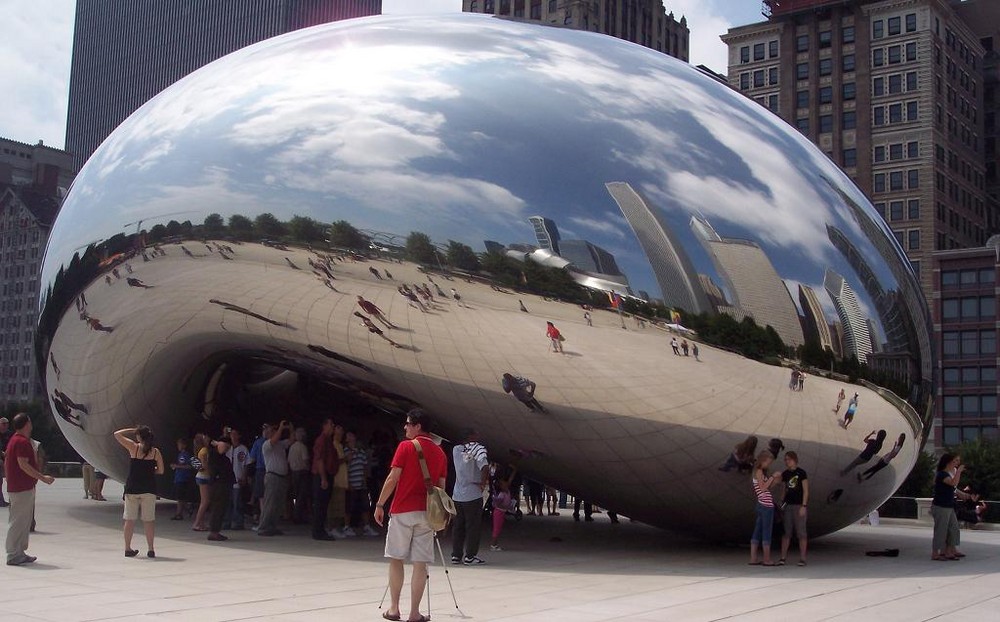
[
  {"x": 600, "y": 226},
  {"x": 35, "y": 44},
  {"x": 706, "y": 23}
]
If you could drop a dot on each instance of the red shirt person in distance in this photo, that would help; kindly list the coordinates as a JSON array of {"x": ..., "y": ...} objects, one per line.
[{"x": 408, "y": 536}]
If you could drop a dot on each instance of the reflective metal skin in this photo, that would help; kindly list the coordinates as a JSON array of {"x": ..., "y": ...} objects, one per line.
[{"x": 461, "y": 128}]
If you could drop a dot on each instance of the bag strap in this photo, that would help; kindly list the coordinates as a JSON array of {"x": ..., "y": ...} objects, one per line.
[{"x": 423, "y": 465}]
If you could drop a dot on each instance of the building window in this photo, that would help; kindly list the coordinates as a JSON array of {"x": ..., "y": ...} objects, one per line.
[
  {"x": 758, "y": 51},
  {"x": 880, "y": 208},
  {"x": 772, "y": 103},
  {"x": 896, "y": 181},
  {"x": 895, "y": 210},
  {"x": 825, "y": 94},
  {"x": 850, "y": 158},
  {"x": 895, "y": 55},
  {"x": 877, "y": 29},
  {"x": 745, "y": 81},
  {"x": 911, "y": 81},
  {"x": 802, "y": 99},
  {"x": 825, "y": 66},
  {"x": 879, "y": 115},
  {"x": 825, "y": 123},
  {"x": 913, "y": 179},
  {"x": 772, "y": 49},
  {"x": 895, "y": 83},
  {"x": 825, "y": 38},
  {"x": 802, "y": 71},
  {"x": 802, "y": 43},
  {"x": 758, "y": 78},
  {"x": 911, "y": 111},
  {"x": 802, "y": 125},
  {"x": 913, "y": 209},
  {"x": 850, "y": 120},
  {"x": 878, "y": 57},
  {"x": 745, "y": 54},
  {"x": 896, "y": 151},
  {"x": 950, "y": 343},
  {"x": 848, "y": 62},
  {"x": 772, "y": 76},
  {"x": 849, "y": 90},
  {"x": 913, "y": 239},
  {"x": 911, "y": 51},
  {"x": 894, "y": 26},
  {"x": 880, "y": 182},
  {"x": 878, "y": 87},
  {"x": 847, "y": 34},
  {"x": 895, "y": 113},
  {"x": 911, "y": 22}
]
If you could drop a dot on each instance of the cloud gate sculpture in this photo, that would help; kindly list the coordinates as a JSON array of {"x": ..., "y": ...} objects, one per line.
[{"x": 471, "y": 179}]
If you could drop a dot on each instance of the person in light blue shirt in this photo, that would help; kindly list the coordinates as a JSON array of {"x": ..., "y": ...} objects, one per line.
[{"x": 471, "y": 478}]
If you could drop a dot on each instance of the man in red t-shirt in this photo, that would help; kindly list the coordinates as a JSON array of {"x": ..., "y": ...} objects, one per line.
[
  {"x": 409, "y": 537},
  {"x": 21, "y": 466}
]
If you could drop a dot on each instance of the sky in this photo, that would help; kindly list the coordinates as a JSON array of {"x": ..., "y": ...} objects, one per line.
[{"x": 36, "y": 42}]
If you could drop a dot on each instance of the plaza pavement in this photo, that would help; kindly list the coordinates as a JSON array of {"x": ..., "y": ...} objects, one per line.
[{"x": 552, "y": 569}]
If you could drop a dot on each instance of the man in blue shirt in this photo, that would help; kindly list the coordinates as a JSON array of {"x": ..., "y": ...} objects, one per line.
[{"x": 256, "y": 459}]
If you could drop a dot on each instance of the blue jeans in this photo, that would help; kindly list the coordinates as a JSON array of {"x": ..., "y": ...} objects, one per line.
[
  {"x": 762, "y": 526},
  {"x": 234, "y": 513}
]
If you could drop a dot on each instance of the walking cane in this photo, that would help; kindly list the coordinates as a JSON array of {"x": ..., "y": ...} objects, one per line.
[{"x": 447, "y": 576}]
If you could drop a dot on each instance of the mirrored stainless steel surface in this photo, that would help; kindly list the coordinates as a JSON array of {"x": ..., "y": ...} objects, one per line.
[{"x": 509, "y": 162}]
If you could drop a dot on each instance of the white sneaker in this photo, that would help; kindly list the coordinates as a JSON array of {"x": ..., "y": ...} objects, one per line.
[
  {"x": 495, "y": 547},
  {"x": 368, "y": 531},
  {"x": 347, "y": 532}
]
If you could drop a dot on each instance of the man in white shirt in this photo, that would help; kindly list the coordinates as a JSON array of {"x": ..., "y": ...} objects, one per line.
[
  {"x": 301, "y": 478},
  {"x": 275, "y": 480},
  {"x": 238, "y": 455},
  {"x": 471, "y": 477}
]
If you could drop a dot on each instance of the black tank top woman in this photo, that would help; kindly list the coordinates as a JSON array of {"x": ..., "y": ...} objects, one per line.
[{"x": 141, "y": 474}]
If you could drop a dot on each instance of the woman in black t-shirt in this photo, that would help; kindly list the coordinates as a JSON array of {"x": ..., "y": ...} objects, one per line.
[{"x": 946, "y": 533}]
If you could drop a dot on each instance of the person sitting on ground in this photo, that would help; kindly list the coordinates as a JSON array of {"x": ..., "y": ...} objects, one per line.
[{"x": 742, "y": 456}]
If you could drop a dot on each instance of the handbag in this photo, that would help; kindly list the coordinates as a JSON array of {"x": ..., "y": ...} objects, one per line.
[{"x": 440, "y": 507}]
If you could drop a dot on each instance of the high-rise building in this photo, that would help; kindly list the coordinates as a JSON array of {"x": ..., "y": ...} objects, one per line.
[
  {"x": 983, "y": 17},
  {"x": 671, "y": 265},
  {"x": 645, "y": 22},
  {"x": 751, "y": 282},
  {"x": 854, "y": 324},
  {"x": 124, "y": 53},
  {"x": 893, "y": 93},
  {"x": 546, "y": 232},
  {"x": 33, "y": 179},
  {"x": 815, "y": 325},
  {"x": 965, "y": 321}
]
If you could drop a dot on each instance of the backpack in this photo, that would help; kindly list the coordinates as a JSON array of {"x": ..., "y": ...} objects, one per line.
[{"x": 440, "y": 507}]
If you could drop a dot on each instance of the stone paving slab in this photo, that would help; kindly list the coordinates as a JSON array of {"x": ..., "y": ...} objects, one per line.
[{"x": 553, "y": 569}]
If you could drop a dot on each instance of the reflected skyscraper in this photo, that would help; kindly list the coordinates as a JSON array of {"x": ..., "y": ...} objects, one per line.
[
  {"x": 857, "y": 341},
  {"x": 671, "y": 265},
  {"x": 751, "y": 281},
  {"x": 589, "y": 257},
  {"x": 546, "y": 233},
  {"x": 814, "y": 322}
]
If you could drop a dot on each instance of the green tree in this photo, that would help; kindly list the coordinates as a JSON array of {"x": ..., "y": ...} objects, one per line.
[
  {"x": 214, "y": 224},
  {"x": 982, "y": 460},
  {"x": 157, "y": 233},
  {"x": 268, "y": 226},
  {"x": 920, "y": 481},
  {"x": 173, "y": 228},
  {"x": 241, "y": 227},
  {"x": 305, "y": 229},
  {"x": 344, "y": 235},
  {"x": 420, "y": 249},
  {"x": 461, "y": 256}
]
